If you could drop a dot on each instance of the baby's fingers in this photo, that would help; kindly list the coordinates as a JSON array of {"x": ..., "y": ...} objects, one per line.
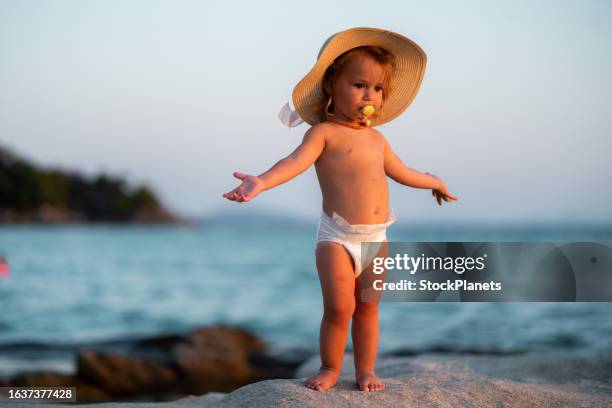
[
  {"x": 233, "y": 196},
  {"x": 452, "y": 197}
]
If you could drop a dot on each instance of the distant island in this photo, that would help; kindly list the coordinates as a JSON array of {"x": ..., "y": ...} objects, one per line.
[{"x": 32, "y": 194}]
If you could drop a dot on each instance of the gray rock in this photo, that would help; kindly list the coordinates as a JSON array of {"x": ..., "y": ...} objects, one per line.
[
  {"x": 530, "y": 368},
  {"x": 433, "y": 381},
  {"x": 453, "y": 389}
]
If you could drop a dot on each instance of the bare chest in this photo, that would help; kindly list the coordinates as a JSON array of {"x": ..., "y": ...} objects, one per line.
[{"x": 348, "y": 150}]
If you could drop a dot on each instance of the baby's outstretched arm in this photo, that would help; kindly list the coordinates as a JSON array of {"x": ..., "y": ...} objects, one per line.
[
  {"x": 284, "y": 170},
  {"x": 399, "y": 172}
]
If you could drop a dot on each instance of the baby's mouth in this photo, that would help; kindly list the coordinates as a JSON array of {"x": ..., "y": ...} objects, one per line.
[{"x": 365, "y": 112}]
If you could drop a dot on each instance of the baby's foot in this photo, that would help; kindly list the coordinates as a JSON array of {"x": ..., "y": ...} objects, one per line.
[
  {"x": 323, "y": 380},
  {"x": 369, "y": 382}
]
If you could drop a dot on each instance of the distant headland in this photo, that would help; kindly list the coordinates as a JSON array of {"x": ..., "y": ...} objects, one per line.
[{"x": 32, "y": 194}]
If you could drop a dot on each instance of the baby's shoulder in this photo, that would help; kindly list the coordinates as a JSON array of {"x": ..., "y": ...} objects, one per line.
[
  {"x": 318, "y": 131},
  {"x": 378, "y": 136},
  {"x": 315, "y": 135},
  {"x": 377, "y": 133}
]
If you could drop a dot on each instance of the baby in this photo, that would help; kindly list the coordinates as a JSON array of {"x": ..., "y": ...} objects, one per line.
[{"x": 363, "y": 77}]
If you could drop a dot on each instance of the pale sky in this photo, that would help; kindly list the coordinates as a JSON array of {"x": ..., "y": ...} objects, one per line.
[{"x": 514, "y": 112}]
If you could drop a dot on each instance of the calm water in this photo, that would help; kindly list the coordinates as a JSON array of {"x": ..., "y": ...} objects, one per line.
[{"x": 90, "y": 283}]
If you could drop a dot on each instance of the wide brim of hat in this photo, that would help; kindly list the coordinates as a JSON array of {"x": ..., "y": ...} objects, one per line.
[{"x": 410, "y": 62}]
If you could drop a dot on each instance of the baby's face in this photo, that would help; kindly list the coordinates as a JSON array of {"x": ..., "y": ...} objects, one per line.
[{"x": 360, "y": 84}]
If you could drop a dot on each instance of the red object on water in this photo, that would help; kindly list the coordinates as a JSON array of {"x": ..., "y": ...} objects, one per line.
[{"x": 4, "y": 269}]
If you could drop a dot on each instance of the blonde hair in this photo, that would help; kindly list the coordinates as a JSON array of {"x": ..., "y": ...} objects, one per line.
[{"x": 324, "y": 106}]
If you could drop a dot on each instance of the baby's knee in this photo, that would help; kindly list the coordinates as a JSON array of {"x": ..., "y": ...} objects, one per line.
[
  {"x": 366, "y": 308},
  {"x": 339, "y": 313}
]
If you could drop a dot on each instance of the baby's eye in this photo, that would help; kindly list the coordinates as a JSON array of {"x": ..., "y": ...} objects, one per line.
[
  {"x": 359, "y": 85},
  {"x": 379, "y": 89}
]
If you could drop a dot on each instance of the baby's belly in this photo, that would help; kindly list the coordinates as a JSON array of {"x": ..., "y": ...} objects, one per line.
[{"x": 359, "y": 203}]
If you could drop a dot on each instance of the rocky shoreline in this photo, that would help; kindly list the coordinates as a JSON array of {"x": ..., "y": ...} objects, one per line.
[
  {"x": 164, "y": 368},
  {"x": 228, "y": 367}
]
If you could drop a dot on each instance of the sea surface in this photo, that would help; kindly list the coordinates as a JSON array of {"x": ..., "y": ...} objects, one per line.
[{"x": 88, "y": 283}]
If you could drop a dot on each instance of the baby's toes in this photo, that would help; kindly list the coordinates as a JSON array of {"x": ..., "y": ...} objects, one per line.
[{"x": 370, "y": 383}]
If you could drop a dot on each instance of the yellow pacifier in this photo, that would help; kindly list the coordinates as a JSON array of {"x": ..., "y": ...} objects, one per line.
[{"x": 366, "y": 111}]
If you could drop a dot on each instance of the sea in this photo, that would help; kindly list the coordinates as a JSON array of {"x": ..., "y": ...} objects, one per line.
[{"x": 78, "y": 284}]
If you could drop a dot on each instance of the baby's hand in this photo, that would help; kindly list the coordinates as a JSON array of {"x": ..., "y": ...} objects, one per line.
[
  {"x": 441, "y": 192},
  {"x": 251, "y": 186}
]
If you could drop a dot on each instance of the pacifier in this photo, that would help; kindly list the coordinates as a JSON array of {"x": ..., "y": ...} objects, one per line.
[{"x": 366, "y": 111}]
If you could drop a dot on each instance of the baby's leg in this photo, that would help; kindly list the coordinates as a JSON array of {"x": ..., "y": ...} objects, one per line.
[
  {"x": 337, "y": 277},
  {"x": 365, "y": 332}
]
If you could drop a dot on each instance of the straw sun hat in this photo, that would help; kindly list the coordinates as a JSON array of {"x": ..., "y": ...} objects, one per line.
[{"x": 410, "y": 61}]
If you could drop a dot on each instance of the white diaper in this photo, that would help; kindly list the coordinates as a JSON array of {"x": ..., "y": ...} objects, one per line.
[{"x": 337, "y": 229}]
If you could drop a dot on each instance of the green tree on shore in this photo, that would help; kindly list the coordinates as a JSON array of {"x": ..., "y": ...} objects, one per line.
[{"x": 24, "y": 187}]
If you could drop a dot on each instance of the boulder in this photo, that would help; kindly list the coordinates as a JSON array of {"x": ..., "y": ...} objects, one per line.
[
  {"x": 122, "y": 375},
  {"x": 165, "y": 368},
  {"x": 216, "y": 359}
]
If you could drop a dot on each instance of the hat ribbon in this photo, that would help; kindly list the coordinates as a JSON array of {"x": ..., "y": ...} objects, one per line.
[{"x": 289, "y": 117}]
